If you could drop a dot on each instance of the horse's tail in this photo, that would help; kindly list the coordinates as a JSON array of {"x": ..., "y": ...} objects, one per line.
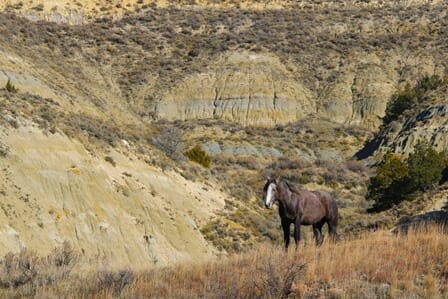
[
  {"x": 333, "y": 210},
  {"x": 333, "y": 218}
]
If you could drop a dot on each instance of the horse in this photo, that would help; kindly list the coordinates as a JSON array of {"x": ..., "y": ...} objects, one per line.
[{"x": 301, "y": 207}]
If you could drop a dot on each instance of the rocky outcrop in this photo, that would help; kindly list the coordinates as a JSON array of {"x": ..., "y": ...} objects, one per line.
[
  {"x": 259, "y": 90},
  {"x": 71, "y": 17},
  {"x": 359, "y": 94},
  {"x": 429, "y": 124},
  {"x": 242, "y": 87}
]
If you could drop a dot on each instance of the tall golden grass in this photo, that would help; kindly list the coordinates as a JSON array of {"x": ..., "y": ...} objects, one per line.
[{"x": 374, "y": 265}]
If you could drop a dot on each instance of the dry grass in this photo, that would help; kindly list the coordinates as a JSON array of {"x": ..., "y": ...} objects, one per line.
[{"x": 376, "y": 265}]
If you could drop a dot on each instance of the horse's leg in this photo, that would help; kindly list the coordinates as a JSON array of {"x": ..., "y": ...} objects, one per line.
[
  {"x": 317, "y": 229},
  {"x": 286, "y": 232},
  {"x": 297, "y": 231}
]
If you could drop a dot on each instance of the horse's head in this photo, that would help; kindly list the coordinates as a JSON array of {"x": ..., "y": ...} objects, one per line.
[{"x": 270, "y": 192}]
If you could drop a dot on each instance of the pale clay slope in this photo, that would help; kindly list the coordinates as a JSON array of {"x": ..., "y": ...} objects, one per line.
[
  {"x": 85, "y": 11},
  {"x": 238, "y": 86},
  {"x": 132, "y": 214}
]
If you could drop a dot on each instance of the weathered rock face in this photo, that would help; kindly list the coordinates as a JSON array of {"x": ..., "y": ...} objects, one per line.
[
  {"x": 257, "y": 89},
  {"x": 248, "y": 88},
  {"x": 358, "y": 93},
  {"x": 53, "y": 190},
  {"x": 429, "y": 124}
]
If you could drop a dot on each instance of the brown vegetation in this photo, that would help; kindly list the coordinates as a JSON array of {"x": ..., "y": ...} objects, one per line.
[{"x": 376, "y": 265}]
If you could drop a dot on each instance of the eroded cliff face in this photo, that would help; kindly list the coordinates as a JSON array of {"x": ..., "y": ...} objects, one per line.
[
  {"x": 53, "y": 190},
  {"x": 259, "y": 90},
  {"x": 243, "y": 87},
  {"x": 429, "y": 124},
  {"x": 359, "y": 95}
]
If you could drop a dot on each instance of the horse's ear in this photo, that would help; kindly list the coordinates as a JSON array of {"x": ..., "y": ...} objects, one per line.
[
  {"x": 268, "y": 178},
  {"x": 277, "y": 179}
]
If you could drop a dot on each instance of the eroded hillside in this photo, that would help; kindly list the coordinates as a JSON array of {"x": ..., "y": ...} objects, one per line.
[
  {"x": 292, "y": 90},
  {"x": 254, "y": 67},
  {"x": 113, "y": 208}
]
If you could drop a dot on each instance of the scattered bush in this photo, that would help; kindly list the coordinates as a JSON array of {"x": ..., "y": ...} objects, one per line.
[
  {"x": 425, "y": 166},
  {"x": 27, "y": 271},
  {"x": 4, "y": 150},
  {"x": 116, "y": 281},
  {"x": 18, "y": 270},
  {"x": 198, "y": 155},
  {"x": 39, "y": 7},
  {"x": 356, "y": 166},
  {"x": 396, "y": 179},
  {"x": 110, "y": 160},
  {"x": 10, "y": 87},
  {"x": 390, "y": 176},
  {"x": 408, "y": 97},
  {"x": 64, "y": 256}
]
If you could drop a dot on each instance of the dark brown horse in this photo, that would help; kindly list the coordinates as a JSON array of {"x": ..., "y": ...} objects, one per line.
[{"x": 301, "y": 207}]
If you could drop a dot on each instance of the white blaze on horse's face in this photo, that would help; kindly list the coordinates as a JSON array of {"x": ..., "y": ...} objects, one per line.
[{"x": 270, "y": 195}]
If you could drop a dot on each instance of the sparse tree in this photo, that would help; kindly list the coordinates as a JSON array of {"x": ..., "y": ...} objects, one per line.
[{"x": 409, "y": 96}]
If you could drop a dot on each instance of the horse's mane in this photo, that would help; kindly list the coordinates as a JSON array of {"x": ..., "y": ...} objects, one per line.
[{"x": 291, "y": 186}]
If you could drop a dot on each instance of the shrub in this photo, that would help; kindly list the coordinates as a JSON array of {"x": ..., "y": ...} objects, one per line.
[
  {"x": 10, "y": 87},
  {"x": 198, "y": 155},
  {"x": 276, "y": 278},
  {"x": 110, "y": 160},
  {"x": 399, "y": 103},
  {"x": 395, "y": 179},
  {"x": 115, "y": 281},
  {"x": 425, "y": 166},
  {"x": 26, "y": 270},
  {"x": 356, "y": 166},
  {"x": 18, "y": 269},
  {"x": 387, "y": 185},
  {"x": 4, "y": 150}
]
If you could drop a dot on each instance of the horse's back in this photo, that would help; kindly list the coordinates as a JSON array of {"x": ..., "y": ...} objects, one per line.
[{"x": 309, "y": 207}]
